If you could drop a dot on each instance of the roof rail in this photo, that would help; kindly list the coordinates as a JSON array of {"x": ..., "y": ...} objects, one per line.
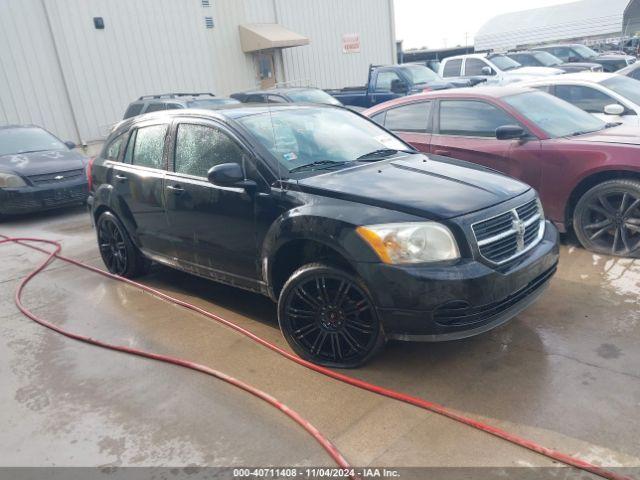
[{"x": 175, "y": 95}]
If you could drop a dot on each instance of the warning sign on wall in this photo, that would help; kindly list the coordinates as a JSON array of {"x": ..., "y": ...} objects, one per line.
[{"x": 351, "y": 43}]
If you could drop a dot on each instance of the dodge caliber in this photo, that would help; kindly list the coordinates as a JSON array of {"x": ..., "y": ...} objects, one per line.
[{"x": 358, "y": 237}]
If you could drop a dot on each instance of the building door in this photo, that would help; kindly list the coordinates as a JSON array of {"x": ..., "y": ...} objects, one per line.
[{"x": 266, "y": 69}]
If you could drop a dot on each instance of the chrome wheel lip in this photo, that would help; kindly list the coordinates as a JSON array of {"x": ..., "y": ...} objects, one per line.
[
  {"x": 611, "y": 222},
  {"x": 338, "y": 323}
]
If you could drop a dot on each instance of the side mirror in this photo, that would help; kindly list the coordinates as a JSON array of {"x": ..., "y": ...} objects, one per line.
[
  {"x": 230, "y": 175},
  {"x": 70, "y": 145},
  {"x": 614, "y": 109},
  {"x": 573, "y": 59},
  {"x": 509, "y": 132},
  {"x": 487, "y": 71},
  {"x": 398, "y": 86}
]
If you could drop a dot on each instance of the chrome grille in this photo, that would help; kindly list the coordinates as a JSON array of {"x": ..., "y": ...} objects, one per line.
[
  {"x": 56, "y": 176},
  {"x": 508, "y": 235}
]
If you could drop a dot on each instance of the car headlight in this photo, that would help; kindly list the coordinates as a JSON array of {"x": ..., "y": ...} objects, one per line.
[
  {"x": 9, "y": 180},
  {"x": 410, "y": 242}
]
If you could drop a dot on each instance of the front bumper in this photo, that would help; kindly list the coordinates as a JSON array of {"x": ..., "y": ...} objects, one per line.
[
  {"x": 452, "y": 301},
  {"x": 33, "y": 199}
]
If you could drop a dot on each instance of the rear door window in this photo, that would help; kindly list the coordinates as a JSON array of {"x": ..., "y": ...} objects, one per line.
[
  {"x": 275, "y": 99},
  {"x": 472, "y": 118},
  {"x": 146, "y": 146},
  {"x": 155, "y": 107},
  {"x": 200, "y": 147},
  {"x": 133, "y": 110},
  {"x": 587, "y": 98},
  {"x": 409, "y": 118},
  {"x": 452, "y": 68},
  {"x": 562, "y": 52}
]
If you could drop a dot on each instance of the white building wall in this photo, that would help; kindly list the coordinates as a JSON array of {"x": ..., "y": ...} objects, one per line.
[
  {"x": 31, "y": 83},
  {"x": 147, "y": 46},
  {"x": 322, "y": 63},
  {"x": 157, "y": 46}
]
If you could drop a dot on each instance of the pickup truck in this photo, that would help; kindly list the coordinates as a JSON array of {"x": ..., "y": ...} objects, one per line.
[{"x": 394, "y": 81}]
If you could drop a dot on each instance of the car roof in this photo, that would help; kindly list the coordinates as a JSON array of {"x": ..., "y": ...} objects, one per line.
[
  {"x": 466, "y": 55},
  {"x": 232, "y": 112},
  {"x": 276, "y": 90},
  {"x": 485, "y": 92},
  {"x": 476, "y": 93},
  {"x": 559, "y": 45},
  {"x": 14, "y": 126},
  {"x": 585, "y": 76}
]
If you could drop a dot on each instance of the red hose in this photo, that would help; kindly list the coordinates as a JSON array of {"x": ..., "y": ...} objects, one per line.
[
  {"x": 418, "y": 402},
  {"x": 295, "y": 416}
]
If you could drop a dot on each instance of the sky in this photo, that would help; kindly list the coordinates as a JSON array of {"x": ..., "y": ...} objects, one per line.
[{"x": 439, "y": 24}]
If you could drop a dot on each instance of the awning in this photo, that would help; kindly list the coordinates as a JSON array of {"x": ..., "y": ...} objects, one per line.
[{"x": 263, "y": 36}]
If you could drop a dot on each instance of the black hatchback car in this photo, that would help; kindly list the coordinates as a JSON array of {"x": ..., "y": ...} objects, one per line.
[
  {"x": 38, "y": 171},
  {"x": 357, "y": 237}
]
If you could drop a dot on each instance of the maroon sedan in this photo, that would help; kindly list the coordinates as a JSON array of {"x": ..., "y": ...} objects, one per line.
[{"x": 587, "y": 172}]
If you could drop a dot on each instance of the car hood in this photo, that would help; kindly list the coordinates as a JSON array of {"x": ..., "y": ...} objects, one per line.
[
  {"x": 621, "y": 134},
  {"x": 431, "y": 187},
  {"x": 588, "y": 65},
  {"x": 37, "y": 163},
  {"x": 612, "y": 56},
  {"x": 534, "y": 71}
]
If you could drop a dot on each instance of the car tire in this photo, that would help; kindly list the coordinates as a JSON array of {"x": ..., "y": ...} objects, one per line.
[
  {"x": 328, "y": 317},
  {"x": 119, "y": 254},
  {"x": 607, "y": 218}
]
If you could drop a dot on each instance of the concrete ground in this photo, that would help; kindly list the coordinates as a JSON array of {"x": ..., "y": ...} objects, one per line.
[{"x": 564, "y": 373}]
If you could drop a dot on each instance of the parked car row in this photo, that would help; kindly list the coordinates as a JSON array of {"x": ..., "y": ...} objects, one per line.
[
  {"x": 586, "y": 171},
  {"x": 432, "y": 216}
]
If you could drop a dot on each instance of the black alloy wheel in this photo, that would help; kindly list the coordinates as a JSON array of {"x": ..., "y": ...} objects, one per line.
[
  {"x": 328, "y": 317},
  {"x": 119, "y": 255},
  {"x": 607, "y": 218}
]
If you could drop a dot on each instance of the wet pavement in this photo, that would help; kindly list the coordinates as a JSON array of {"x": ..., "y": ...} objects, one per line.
[{"x": 564, "y": 373}]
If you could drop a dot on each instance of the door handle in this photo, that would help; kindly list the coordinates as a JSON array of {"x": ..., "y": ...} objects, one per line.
[
  {"x": 176, "y": 189},
  {"x": 442, "y": 152},
  {"x": 121, "y": 178}
]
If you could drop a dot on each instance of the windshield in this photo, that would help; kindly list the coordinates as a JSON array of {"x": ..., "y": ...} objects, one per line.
[
  {"x": 306, "y": 135},
  {"x": 546, "y": 59},
  {"x": 553, "y": 115},
  {"x": 584, "y": 52},
  {"x": 624, "y": 86},
  {"x": 420, "y": 74},
  {"x": 30, "y": 139},
  {"x": 212, "y": 104},
  {"x": 312, "y": 96},
  {"x": 503, "y": 62}
]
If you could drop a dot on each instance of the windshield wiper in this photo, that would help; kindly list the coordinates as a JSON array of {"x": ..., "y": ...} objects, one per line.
[
  {"x": 31, "y": 151},
  {"x": 582, "y": 132},
  {"x": 319, "y": 163},
  {"x": 380, "y": 154}
]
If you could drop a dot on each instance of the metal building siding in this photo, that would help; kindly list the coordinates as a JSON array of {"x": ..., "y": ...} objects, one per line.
[
  {"x": 260, "y": 11},
  {"x": 322, "y": 63},
  {"x": 583, "y": 19},
  {"x": 147, "y": 46},
  {"x": 157, "y": 46},
  {"x": 31, "y": 83}
]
